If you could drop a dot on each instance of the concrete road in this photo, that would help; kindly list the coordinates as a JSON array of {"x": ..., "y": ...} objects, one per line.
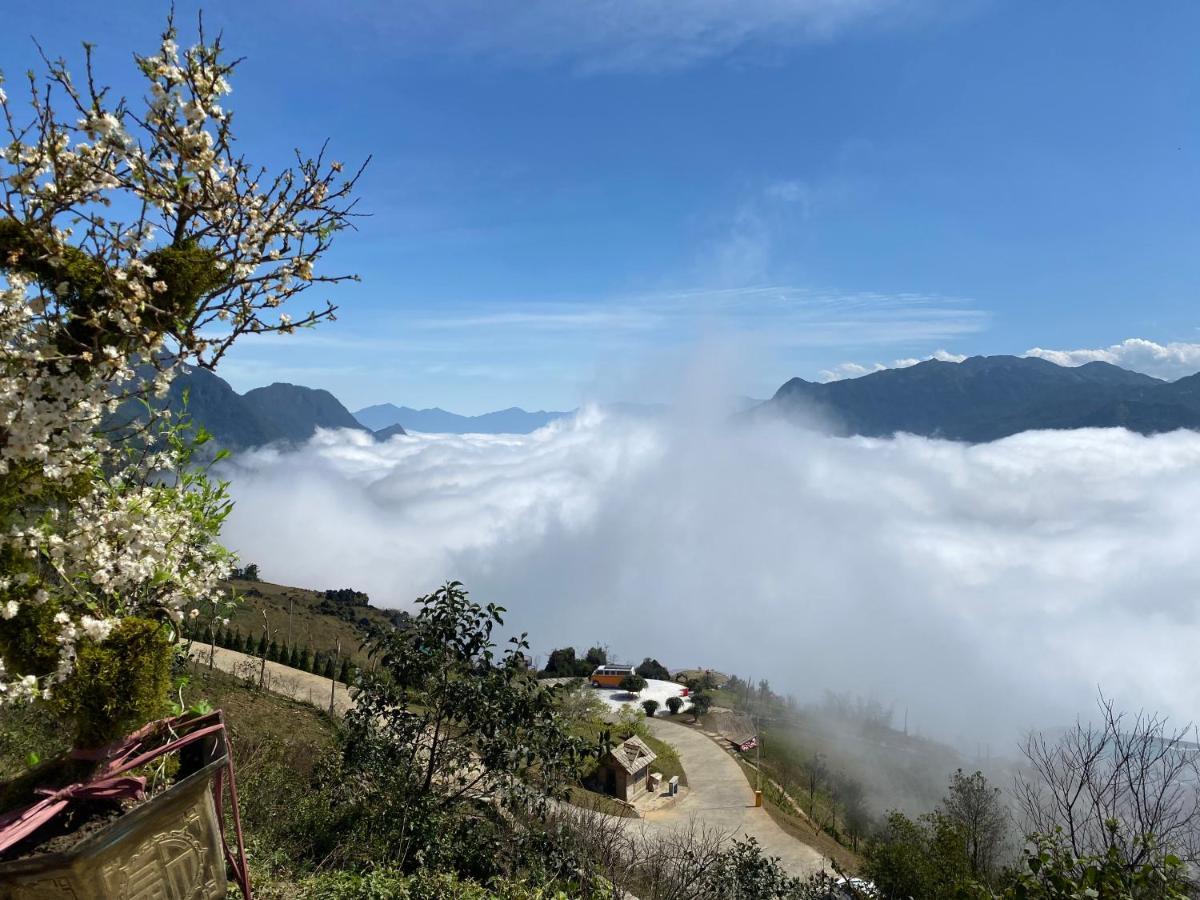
[
  {"x": 279, "y": 679},
  {"x": 718, "y": 797}
]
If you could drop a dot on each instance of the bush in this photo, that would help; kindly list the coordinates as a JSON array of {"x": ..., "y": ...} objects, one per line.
[
  {"x": 651, "y": 707},
  {"x": 443, "y": 702},
  {"x": 701, "y": 704},
  {"x": 633, "y": 684},
  {"x": 119, "y": 684},
  {"x": 389, "y": 884},
  {"x": 674, "y": 704}
]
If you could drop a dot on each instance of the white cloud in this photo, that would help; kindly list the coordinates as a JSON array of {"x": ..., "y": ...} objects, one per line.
[
  {"x": 855, "y": 370},
  {"x": 985, "y": 587},
  {"x": 641, "y": 35},
  {"x": 789, "y": 316},
  {"x": 1166, "y": 361}
]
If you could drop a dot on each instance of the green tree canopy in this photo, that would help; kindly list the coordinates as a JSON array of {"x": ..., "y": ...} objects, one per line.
[
  {"x": 632, "y": 683},
  {"x": 447, "y": 719},
  {"x": 652, "y": 668}
]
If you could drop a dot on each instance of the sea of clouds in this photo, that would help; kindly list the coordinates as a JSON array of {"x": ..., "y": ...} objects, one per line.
[{"x": 985, "y": 588}]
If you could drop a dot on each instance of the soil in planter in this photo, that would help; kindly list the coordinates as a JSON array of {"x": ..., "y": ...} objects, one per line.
[
  {"x": 75, "y": 824},
  {"x": 71, "y": 827}
]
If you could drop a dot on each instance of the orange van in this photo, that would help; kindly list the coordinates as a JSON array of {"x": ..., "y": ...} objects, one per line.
[{"x": 610, "y": 676}]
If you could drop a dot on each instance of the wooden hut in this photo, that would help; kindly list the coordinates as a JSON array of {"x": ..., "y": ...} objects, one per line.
[{"x": 623, "y": 770}]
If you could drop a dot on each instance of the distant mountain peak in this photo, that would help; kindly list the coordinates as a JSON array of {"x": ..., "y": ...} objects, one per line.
[
  {"x": 277, "y": 412},
  {"x": 514, "y": 420},
  {"x": 984, "y": 398}
]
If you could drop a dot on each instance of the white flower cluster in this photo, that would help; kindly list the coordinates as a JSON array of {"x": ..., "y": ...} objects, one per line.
[
  {"x": 89, "y": 530},
  {"x": 97, "y": 534}
]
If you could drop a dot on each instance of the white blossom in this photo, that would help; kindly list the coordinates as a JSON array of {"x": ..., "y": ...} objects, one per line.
[{"x": 96, "y": 534}]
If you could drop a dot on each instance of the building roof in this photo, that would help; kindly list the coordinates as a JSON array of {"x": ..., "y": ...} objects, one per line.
[{"x": 633, "y": 755}]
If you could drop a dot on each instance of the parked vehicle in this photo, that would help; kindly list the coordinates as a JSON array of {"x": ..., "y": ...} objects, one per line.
[{"x": 610, "y": 676}]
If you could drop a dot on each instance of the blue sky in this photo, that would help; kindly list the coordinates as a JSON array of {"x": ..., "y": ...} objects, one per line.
[{"x": 592, "y": 199}]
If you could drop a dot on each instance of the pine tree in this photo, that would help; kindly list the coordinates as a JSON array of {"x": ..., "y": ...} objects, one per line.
[
  {"x": 305, "y": 664},
  {"x": 273, "y": 651},
  {"x": 294, "y": 657},
  {"x": 345, "y": 675},
  {"x": 261, "y": 650},
  {"x": 208, "y": 634},
  {"x": 329, "y": 671}
]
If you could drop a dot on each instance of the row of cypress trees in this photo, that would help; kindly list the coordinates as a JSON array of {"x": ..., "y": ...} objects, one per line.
[{"x": 323, "y": 664}]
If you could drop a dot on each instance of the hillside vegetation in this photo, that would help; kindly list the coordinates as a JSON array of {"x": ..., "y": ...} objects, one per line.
[{"x": 317, "y": 620}]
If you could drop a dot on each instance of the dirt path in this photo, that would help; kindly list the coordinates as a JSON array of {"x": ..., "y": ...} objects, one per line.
[
  {"x": 718, "y": 797},
  {"x": 278, "y": 679}
]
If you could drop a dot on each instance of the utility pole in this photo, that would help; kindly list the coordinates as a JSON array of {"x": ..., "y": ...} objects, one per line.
[
  {"x": 333, "y": 680},
  {"x": 758, "y": 754},
  {"x": 262, "y": 669}
]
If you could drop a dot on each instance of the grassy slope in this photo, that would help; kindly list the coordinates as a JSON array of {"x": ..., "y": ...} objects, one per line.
[
  {"x": 668, "y": 760},
  {"x": 307, "y": 626},
  {"x": 254, "y": 714}
]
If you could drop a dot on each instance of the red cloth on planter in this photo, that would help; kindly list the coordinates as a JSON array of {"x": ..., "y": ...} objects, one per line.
[{"x": 110, "y": 782}]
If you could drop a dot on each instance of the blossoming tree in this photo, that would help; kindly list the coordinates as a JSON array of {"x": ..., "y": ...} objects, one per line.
[{"x": 134, "y": 241}]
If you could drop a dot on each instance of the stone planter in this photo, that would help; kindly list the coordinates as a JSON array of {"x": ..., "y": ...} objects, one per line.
[{"x": 168, "y": 848}]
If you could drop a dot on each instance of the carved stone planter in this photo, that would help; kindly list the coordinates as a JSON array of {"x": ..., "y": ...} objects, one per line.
[{"x": 168, "y": 848}]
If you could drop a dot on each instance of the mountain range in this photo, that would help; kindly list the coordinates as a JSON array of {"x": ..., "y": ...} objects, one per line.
[
  {"x": 265, "y": 415},
  {"x": 985, "y": 398},
  {"x": 383, "y": 418},
  {"x": 980, "y": 399}
]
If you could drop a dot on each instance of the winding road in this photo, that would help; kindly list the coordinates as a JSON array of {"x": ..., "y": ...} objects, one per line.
[{"x": 719, "y": 797}]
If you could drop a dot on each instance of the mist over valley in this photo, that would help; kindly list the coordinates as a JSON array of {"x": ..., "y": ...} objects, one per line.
[{"x": 985, "y": 588}]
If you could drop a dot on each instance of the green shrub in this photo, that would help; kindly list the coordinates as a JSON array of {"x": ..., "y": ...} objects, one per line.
[
  {"x": 120, "y": 684},
  {"x": 633, "y": 684},
  {"x": 674, "y": 704},
  {"x": 651, "y": 707},
  {"x": 387, "y": 884}
]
